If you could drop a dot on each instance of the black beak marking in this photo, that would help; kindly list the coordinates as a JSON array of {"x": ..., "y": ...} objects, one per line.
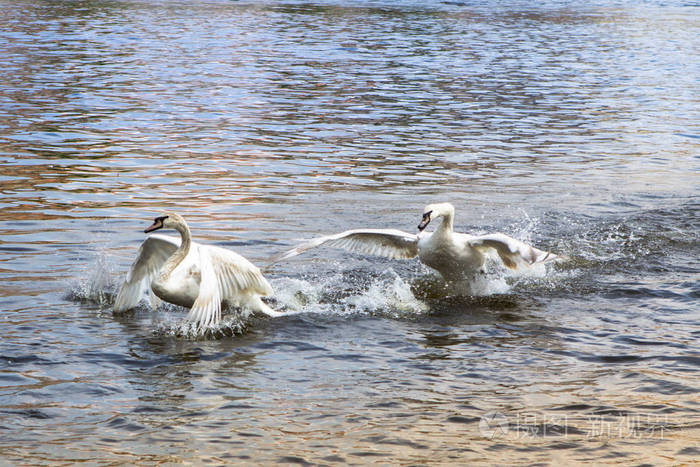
[
  {"x": 424, "y": 223},
  {"x": 157, "y": 224}
]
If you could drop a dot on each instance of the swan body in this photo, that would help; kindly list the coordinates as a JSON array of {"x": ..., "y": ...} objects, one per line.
[
  {"x": 189, "y": 274},
  {"x": 456, "y": 256}
]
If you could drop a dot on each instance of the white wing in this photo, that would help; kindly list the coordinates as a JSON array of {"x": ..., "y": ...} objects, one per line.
[
  {"x": 236, "y": 274},
  {"x": 225, "y": 276},
  {"x": 153, "y": 253},
  {"x": 206, "y": 309},
  {"x": 389, "y": 243},
  {"x": 511, "y": 251}
]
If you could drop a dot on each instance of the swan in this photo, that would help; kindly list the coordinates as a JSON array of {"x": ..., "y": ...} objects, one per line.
[
  {"x": 456, "y": 256},
  {"x": 192, "y": 275}
]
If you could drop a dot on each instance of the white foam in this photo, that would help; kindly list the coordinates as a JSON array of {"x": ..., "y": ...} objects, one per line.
[
  {"x": 389, "y": 293},
  {"x": 336, "y": 294},
  {"x": 297, "y": 295},
  {"x": 233, "y": 322},
  {"x": 482, "y": 285}
]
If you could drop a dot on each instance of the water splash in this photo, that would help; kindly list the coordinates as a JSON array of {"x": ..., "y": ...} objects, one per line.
[
  {"x": 96, "y": 285},
  {"x": 344, "y": 293},
  {"x": 347, "y": 293},
  {"x": 234, "y": 322},
  {"x": 299, "y": 295},
  {"x": 526, "y": 227},
  {"x": 496, "y": 281},
  {"x": 387, "y": 294}
]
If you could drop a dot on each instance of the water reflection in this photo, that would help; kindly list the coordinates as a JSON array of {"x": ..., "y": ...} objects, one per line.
[{"x": 263, "y": 123}]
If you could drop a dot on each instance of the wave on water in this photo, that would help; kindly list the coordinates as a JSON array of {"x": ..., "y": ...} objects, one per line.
[{"x": 649, "y": 239}]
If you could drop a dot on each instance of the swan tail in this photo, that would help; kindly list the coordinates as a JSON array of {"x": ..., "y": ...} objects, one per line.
[
  {"x": 549, "y": 257},
  {"x": 513, "y": 252},
  {"x": 256, "y": 304}
]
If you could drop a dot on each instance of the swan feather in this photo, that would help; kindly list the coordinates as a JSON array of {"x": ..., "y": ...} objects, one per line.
[
  {"x": 201, "y": 277},
  {"x": 206, "y": 309},
  {"x": 226, "y": 276},
  {"x": 455, "y": 256},
  {"x": 390, "y": 243},
  {"x": 511, "y": 251},
  {"x": 152, "y": 254}
]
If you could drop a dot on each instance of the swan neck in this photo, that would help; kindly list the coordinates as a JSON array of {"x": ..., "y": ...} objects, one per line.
[
  {"x": 182, "y": 251},
  {"x": 447, "y": 224}
]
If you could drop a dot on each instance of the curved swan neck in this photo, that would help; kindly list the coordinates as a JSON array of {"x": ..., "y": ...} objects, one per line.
[
  {"x": 185, "y": 235},
  {"x": 447, "y": 224},
  {"x": 186, "y": 242}
]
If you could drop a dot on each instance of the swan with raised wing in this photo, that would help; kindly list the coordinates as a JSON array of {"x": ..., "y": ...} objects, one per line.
[
  {"x": 200, "y": 277},
  {"x": 456, "y": 256}
]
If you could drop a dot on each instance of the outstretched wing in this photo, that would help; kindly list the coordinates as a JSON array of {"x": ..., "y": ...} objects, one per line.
[
  {"x": 389, "y": 243},
  {"x": 153, "y": 253},
  {"x": 225, "y": 275},
  {"x": 511, "y": 251}
]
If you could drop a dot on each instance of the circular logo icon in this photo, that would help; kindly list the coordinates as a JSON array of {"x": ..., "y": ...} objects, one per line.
[{"x": 493, "y": 424}]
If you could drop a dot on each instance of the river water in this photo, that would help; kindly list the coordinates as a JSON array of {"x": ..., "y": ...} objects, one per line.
[{"x": 569, "y": 125}]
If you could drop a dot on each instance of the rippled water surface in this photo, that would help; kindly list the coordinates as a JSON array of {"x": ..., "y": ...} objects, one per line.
[{"x": 569, "y": 125}]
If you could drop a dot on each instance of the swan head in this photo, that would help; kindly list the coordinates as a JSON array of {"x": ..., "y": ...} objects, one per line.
[
  {"x": 435, "y": 211},
  {"x": 166, "y": 221}
]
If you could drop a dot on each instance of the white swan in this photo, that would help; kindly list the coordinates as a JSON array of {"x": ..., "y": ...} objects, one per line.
[
  {"x": 455, "y": 256},
  {"x": 195, "y": 276}
]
